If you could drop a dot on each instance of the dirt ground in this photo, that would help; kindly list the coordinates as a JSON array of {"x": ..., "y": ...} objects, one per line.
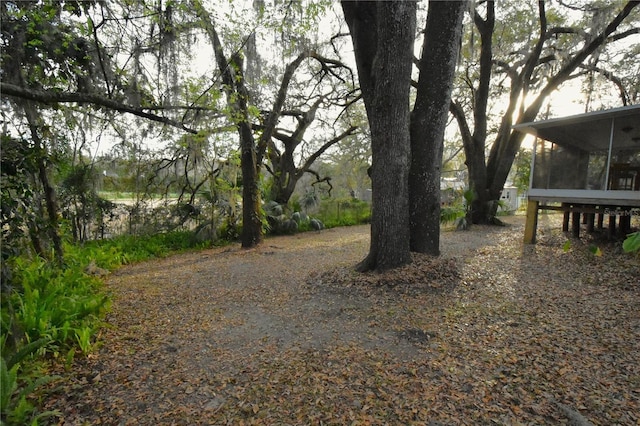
[{"x": 492, "y": 332}]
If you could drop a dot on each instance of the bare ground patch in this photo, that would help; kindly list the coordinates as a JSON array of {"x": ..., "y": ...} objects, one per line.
[{"x": 492, "y": 332}]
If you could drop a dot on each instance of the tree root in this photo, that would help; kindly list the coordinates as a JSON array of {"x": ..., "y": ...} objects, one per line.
[{"x": 575, "y": 418}]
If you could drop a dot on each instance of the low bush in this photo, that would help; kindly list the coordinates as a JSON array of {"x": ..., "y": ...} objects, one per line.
[
  {"x": 450, "y": 214},
  {"x": 344, "y": 212},
  {"x": 48, "y": 313},
  {"x": 52, "y": 313}
]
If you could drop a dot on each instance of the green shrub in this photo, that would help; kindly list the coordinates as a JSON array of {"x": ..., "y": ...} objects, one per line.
[
  {"x": 52, "y": 303},
  {"x": 344, "y": 212},
  {"x": 112, "y": 253},
  {"x": 449, "y": 214},
  {"x": 52, "y": 311}
]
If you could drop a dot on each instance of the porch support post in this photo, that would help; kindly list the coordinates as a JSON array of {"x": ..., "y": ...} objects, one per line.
[
  {"x": 625, "y": 221},
  {"x": 612, "y": 225},
  {"x": 608, "y": 169},
  {"x": 531, "y": 223},
  {"x": 591, "y": 220},
  {"x": 575, "y": 224}
]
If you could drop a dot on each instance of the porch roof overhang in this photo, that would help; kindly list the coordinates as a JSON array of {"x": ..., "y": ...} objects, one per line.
[{"x": 591, "y": 131}]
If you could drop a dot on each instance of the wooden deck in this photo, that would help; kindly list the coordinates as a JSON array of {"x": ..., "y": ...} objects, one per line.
[{"x": 589, "y": 210}]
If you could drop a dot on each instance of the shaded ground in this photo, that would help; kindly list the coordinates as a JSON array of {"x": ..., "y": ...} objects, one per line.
[{"x": 490, "y": 333}]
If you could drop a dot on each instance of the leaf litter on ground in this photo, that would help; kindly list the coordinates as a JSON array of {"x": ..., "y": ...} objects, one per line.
[{"x": 491, "y": 332}]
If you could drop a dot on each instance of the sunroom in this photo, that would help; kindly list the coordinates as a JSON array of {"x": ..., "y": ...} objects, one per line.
[{"x": 587, "y": 166}]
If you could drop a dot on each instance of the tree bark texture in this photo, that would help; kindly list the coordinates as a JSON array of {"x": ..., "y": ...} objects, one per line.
[
  {"x": 475, "y": 162},
  {"x": 443, "y": 33},
  {"x": 383, "y": 34}
]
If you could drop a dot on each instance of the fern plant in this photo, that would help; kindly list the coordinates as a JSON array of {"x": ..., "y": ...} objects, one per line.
[
  {"x": 464, "y": 222},
  {"x": 15, "y": 388}
]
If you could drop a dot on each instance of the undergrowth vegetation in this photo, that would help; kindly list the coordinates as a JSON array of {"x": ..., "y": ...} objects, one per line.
[
  {"x": 344, "y": 212},
  {"x": 51, "y": 313},
  {"x": 632, "y": 243}
]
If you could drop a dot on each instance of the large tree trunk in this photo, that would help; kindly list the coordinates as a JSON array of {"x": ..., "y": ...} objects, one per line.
[
  {"x": 475, "y": 147},
  {"x": 383, "y": 34},
  {"x": 437, "y": 66},
  {"x": 284, "y": 183}
]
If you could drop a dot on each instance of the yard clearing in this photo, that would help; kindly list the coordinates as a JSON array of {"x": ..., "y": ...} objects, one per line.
[{"x": 492, "y": 332}]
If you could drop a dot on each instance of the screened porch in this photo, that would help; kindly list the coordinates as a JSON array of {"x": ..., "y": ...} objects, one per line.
[{"x": 587, "y": 166}]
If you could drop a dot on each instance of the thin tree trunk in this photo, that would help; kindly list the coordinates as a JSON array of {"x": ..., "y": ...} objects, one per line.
[
  {"x": 237, "y": 98},
  {"x": 49, "y": 191},
  {"x": 251, "y": 216}
]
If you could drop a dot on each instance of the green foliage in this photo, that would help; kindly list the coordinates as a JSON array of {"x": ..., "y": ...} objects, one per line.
[
  {"x": 277, "y": 221},
  {"x": 522, "y": 169},
  {"x": 344, "y": 212},
  {"x": 595, "y": 250},
  {"x": 45, "y": 46},
  {"x": 80, "y": 203},
  {"x": 632, "y": 243},
  {"x": 19, "y": 198},
  {"x": 51, "y": 303},
  {"x": 450, "y": 214},
  {"x": 25, "y": 351},
  {"x": 502, "y": 208},
  {"x": 122, "y": 250},
  {"x": 56, "y": 311},
  {"x": 8, "y": 385},
  {"x": 64, "y": 305},
  {"x": 231, "y": 229},
  {"x": 469, "y": 196},
  {"x": 462, "y": 212},
  {"x": 308, "y": 201},
  {"x": 17, "y": 384}
]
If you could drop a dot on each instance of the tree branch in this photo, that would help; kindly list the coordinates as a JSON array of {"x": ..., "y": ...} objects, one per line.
[
  {"x": 55, "y": 97},
  {"x": 574, "y": 63},
  {"x": 274, "y": 115},
  {"x": 624, "y": 34},
  {"x": 511, "y": 71},
  {"x": 612, "y": 78},
  {"x": 533, "y": 60},
  {"x": 326, "y": 179},
  {"x": 565, "y": 30},
  {"x": 350, "y": 131},
  {"x": 467, "y": 138}
]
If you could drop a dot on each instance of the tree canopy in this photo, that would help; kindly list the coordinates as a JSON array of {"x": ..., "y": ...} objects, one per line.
[
  {"x": 523, "y": 54},
  {"x": 273, "y": 82},
  {"x": 137, "y": 58}
]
